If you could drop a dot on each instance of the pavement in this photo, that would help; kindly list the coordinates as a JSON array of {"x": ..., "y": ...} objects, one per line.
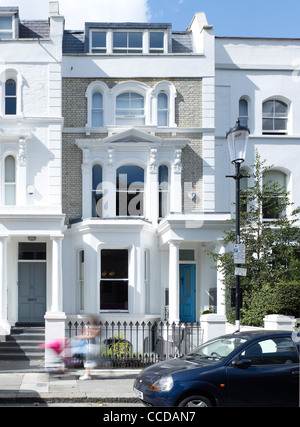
[{"x": 38, "y": 386}]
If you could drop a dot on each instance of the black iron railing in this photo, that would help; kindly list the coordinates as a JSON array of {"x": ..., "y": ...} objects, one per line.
[{"x": 139, "y": 344}]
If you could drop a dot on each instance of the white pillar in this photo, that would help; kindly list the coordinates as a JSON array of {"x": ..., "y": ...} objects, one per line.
[
  {"x": 57, "y": 291},
  {"x": 4, "y": 325},
  {"x": 55, "y": 319},
  {"x": 221, "y": 307},
  {"x": 174, "y": 281}
]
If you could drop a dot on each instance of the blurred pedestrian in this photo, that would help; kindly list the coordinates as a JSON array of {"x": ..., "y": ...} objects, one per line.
[{"x": 91, "y": 336}]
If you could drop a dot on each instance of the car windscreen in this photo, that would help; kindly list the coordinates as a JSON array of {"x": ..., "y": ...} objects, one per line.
[{"x": 213, "y": 352}]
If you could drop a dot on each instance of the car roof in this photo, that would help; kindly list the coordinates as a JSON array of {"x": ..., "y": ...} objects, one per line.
[{"x": 253, "y": 334}]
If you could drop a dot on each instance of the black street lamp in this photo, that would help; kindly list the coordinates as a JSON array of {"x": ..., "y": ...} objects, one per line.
[{"x": 237, "y": 138}]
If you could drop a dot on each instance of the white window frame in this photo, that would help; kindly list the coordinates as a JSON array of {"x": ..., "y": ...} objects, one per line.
[
  {"x": 102, "y": 88},
  {"x": 274, "y": 118},
  {"x": 12, "y": 184},
  {"x": 7, "y": 31},
  {"x": 244, "y": 119},
  {"x": 144, "y": 49},
  {"x": 169, "y": 89},
  {"x": 136, "y": 87},
  {"x": 109, "y": 96},
  {"x": 99, "y": 50},
  {"x": 13, "y": 74}
]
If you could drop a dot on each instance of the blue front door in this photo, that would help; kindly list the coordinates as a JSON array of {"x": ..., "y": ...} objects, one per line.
[{"x": 187, "y": 293}]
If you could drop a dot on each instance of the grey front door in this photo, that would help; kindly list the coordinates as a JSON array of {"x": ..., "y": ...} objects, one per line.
[{"x": 32, "y": 291}]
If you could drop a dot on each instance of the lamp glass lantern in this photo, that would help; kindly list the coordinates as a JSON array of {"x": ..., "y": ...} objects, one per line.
[{"x": 237, "y": 138}]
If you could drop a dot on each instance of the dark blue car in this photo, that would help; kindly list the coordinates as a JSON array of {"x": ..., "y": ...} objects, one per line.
[{"x": 252, "y": 368}]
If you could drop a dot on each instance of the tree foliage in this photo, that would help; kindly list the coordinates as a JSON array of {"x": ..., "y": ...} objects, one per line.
[{"x": 272, "y": 240}]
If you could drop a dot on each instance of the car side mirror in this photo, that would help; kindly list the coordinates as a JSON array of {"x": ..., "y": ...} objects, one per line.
[{"x": 242, "y": 363}]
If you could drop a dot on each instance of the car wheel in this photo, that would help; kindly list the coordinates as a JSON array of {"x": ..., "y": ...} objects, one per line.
[{"x": 196, "y": 401}]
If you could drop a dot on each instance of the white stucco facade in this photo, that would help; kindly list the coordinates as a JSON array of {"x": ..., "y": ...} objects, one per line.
[{"x": 30, "y": 170}]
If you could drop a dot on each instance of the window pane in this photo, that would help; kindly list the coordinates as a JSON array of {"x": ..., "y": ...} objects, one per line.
[
  {"x": 97, "y": 176},
  {"x": 10, "y": 106},
  {"x": 5, "y": 23},
  {"x": 97, "y": 100},
  {"x": 137, "y": 100},
  {"x": 123, "y": 101},
  {"x": 10, "y": 88},
  {"x": 135, "y": 39},
  {"x": 114, "y": 295},
  {"x": 280, "y": 109},
  {"x": 280, "y": 124},
  {"x": 268, "y": 109},
  {"x": 156, "y": 40},
  {"x": 97, "y": 193},
  {"x": 162, "y": 118},
  {"x": 10, "y": 169},
  {"x": 130, "y": 103},
  {"x": 243, "y": 108},
  {"x": 120, "y": 39},
  {"x": 98, "y": 39},
  {"x": 32, "y": 251},
  {"x": 163, "y": 174},
  {"x": 114, "y": 264},
  {"x": 186, "y": 254},
  {"x": 162, "y": 101},
  {"x": 97, "y": 118},
  {"x": 267, "y": 124},
  {"x": 129, "y": 174}
]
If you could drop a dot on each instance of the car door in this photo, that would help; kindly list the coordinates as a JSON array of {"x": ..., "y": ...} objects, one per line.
[{"x": 266, "y": 373}]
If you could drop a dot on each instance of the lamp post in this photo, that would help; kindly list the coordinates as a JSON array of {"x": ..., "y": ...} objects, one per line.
[{"x": 237, "y": 139}]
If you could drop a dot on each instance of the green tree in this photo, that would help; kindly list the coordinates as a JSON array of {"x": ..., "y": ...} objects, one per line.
[{"x": 272, "y": 239}]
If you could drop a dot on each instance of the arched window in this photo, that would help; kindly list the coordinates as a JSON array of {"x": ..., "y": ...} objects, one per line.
[
  {"x": 163, "y": 189},
  {"x": 10, "y": 180},
  {"x": 97, "y": 191},
  {"x": 162, "y": 109},
  {"x": 130, "y": 191},
  {"x": 275, "y": 117},
  {"x": 243, "y": 112},
  {"x": 97, "y": 109},
  {"x": 130, "y": 109},
  {"x": 274, "y": 187},
  {"x": 10, "y": 97}
]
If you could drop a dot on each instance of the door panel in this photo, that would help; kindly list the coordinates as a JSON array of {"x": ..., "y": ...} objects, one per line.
[
  {"x": 32, "y": 291},
  {"x": 187, "y": 293}
]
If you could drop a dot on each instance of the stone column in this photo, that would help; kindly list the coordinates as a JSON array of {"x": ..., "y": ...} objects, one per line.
[
  {"x": 55, "y": 319},
  {"x": 57, "y": 294}
]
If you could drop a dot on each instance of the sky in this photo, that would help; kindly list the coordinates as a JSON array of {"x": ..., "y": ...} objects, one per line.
[{"x": 255, "y": 18}]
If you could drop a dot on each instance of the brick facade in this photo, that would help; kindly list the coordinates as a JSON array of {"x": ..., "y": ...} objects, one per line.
[{"x": 188, "y": 114}]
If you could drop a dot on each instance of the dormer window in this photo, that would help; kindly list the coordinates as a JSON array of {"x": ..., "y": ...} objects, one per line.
[
  {"x": 127, "y": 42},
  {"x": 118, "y": 39},
  {"x": 6, "y": 27}
]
